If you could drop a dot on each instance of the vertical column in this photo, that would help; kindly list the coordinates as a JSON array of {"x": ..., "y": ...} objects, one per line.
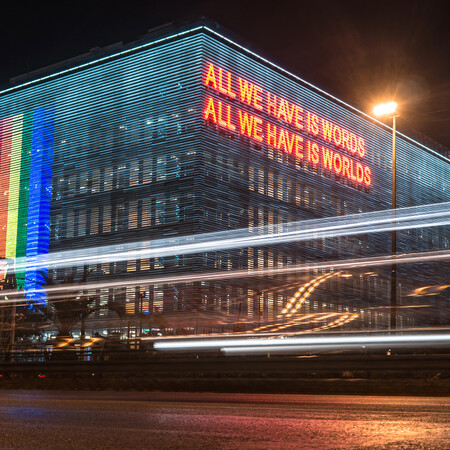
[
  {"x": 24, "y": 183},
  {"x": 38, "y": 232},
  {"x": 14, "y": 187},
  {"x": 22, "y": 217}
]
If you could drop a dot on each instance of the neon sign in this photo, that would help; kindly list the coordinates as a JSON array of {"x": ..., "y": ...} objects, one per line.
[{"x": 252, "y": 111}]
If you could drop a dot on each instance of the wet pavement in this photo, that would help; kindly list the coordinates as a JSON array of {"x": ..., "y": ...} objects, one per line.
[{"x": 65, "y": 420}]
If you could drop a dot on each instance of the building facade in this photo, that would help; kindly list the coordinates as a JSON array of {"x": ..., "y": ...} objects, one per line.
[{"x": 189, "y": 132}]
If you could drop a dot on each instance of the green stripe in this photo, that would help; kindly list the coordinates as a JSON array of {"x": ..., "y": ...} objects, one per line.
[
  {"x": 24, "y": 189},
  {"x": 24, "y": 193}
]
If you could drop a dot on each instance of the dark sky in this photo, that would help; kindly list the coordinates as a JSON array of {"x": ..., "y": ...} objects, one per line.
[{"x": 360, "y": 51}]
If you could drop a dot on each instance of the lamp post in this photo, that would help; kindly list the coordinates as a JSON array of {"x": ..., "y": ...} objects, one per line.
[
  {"x": 141, "y": 312},
  {"x": 390, "y": 109}
]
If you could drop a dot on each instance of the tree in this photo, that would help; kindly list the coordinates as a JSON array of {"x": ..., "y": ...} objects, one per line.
[{"x": 66, "y": 307}]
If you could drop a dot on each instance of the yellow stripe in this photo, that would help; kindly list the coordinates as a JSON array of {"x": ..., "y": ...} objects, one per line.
[{"x": 14, "y": 186}]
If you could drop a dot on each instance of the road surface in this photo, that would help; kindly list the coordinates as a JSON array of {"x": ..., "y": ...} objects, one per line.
[{"x": 94, "y": 420}]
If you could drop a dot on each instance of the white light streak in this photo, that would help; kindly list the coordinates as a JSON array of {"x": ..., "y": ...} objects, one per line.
[
  {"x": 422, "y": 257},
  {"x": 245, "y": 345},
  {"x": 355, "y": 224}
]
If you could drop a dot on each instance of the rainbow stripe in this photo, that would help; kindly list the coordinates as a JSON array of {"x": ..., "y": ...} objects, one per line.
[{"x": 26, "y": 158}]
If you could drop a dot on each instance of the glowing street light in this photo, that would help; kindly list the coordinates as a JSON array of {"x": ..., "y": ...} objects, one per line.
[
  {"x": 385, "y": 109},
  {"x": 390, "y": 109}
]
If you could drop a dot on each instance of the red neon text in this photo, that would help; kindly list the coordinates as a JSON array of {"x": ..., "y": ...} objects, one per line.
[
  {"x": 250, "y": 125},
  {"x": 250, "y": 93},
  {"x": 283, "y": 110},
  {"x": 340, "y": 137},
  {"x": 283, "y": 140},
  {"x": 346, "y": 167},
  {"x": 219, "y": 113},
  {"x": 215, "y": 78},
  {"x": 317, "y": 132}
]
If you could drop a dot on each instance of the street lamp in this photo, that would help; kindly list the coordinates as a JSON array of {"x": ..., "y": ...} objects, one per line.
[
  {"x": 390, "y": 109},
  {"x": 141, "y": 311}
]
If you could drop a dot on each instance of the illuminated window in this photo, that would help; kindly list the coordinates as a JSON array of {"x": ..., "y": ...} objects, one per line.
[
  {"x": 160, "y": 168},
  {"x": 270, "y": 260},
  {"x": 250, "y": 301},
  {"x": 280, "y": 187},
  {"x": 261, "y": 181},
  {"x": 146, "y": 213},
  {"x": 270, "y": 221},
  {"x": 260, "y": 219},
  {"x": 289, "y": 194},
  {"x": 251, "y": 222},
  {"x": 147, "y": 174},
  {"x": 93, "y": 226},
  {"x": 270, "y": 304},
  {"x": 131, "y": 265},
  {"x": 84, "y": 181},
  {"x": 251, "y": 184},
  {"x": 133, "y": 214},
  {"x": 106, "y": 269},
  {"x": 298, "y": 195},
  {"x": 104, "y": 297},
  {"x": 134, "y": 173},
  {"x": 95, "y": 181},
  {"x": 71, "y": 182},
  {"x": 218, "y": 261},
  {"x": 158, "y": 296},
  {"x": 106, "y": 219},
  {"x": 130, "y": 305},
  {"x": 280, "y": 261},
  {"x": 122, "y": 176},
  {"x": 280, "y": 223},
  {"x": 260, "y": 259},
  {"x": 108, "y": 178},
  {"x": 270, "y": 183}
]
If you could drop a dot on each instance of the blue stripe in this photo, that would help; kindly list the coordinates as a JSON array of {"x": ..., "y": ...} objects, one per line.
[{"x": 38, "y": 234}]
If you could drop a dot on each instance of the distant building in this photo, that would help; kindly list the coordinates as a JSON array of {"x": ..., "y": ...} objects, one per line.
[{"x": 189, "y": 132}]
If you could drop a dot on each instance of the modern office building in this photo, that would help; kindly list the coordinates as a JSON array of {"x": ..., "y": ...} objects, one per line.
[{"x": 189, "y": 132}]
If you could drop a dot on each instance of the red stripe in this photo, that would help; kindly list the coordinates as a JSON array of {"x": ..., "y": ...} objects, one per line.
[{"x": 5, "y": 161}]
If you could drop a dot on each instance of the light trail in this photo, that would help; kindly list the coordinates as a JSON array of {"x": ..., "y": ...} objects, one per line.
[
  {"x": 261, "y": 345},
  {"x": 372, "y": 222},
  {"x": 297, "y": 300},
  {"x": 354, "y": 263},
  {"x": 302, "y": 349}
]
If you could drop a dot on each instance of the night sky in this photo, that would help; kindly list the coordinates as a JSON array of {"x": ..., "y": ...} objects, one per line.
[{"x": 360, "y": 51}]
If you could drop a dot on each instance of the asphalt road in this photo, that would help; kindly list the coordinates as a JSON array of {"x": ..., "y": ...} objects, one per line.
[{"x": 92, "y": 420}]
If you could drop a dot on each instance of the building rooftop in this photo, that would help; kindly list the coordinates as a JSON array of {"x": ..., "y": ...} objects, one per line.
[{"x": 99, "y": 54}]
